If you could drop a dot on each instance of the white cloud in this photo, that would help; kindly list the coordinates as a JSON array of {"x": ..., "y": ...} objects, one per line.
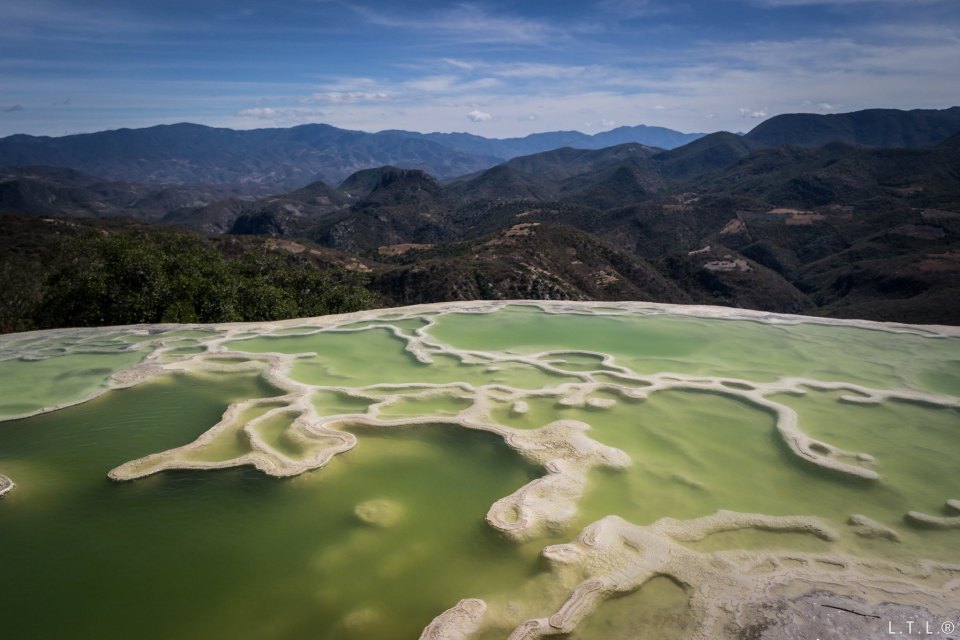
[
  {"x": 539, "y": 70},
  {"x": 349, "y": 97},
  {"x": 63, "y": 21},
  {"x": 447, "y": 84},
  {"x": 259, "y": 112},
  {"x": 479, "y": 116},
  {"x": 607, "y": 123},
  {"x": 636, "y": 8},
  {"x": 468, "y": 23},
  {"x": 351, "y": 83},
  {"x": 432, "y": 84},
  {"x": 820, "y": 106},
  {"x": 284, "y": 116},
  {"x": 695, "y": 85},
  {"x": 459, "y": 64}
]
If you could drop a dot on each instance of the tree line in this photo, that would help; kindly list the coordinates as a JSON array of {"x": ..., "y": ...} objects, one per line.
[{"x": 100, "y": 277}]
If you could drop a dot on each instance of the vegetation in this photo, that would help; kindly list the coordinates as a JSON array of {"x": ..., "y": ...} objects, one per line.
[{"x": 91, "y": 276}]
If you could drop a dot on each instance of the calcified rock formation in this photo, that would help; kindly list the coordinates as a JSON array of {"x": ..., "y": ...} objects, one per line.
[
  {"x": 458, "y": 622},
  {"x": 619, "y": 557},
  {"x": 937, "y": 522},
  {"x": 6, "y": 485},
  {"x": 288, "y": 435},
  {"x": 563, "y": 449},
  {"x": 567, "y": 454},
  {"x": 869, "y": 528}
]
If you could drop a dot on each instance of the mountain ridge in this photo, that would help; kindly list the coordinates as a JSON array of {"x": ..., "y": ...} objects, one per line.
[
  {"x": 187, "y": 153},
  {"x": 509, "y": 148},
  {"x": 287, "y": 158},
  {"x": 864, "y": 128}
]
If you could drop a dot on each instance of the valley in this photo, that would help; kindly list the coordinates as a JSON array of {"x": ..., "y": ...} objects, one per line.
[{"x": 840, "y": 229}]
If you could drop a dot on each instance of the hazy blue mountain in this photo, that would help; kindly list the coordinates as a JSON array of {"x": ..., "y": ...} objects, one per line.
[
  {"x": 292, "y": 157},
  {"x": 282, "y": 159},
  {"x": 598, "y": 177},
  {"x": 507, "y": 148},
  {"x": 190, "y": 154}
]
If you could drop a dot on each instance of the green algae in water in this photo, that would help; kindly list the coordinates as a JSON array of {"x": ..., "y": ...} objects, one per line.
[
  {"x": 80, "y": 444},
  {"x": 176, "y": 354},
  {"x": 234, "y": 442},
  {"x": 31, "y": 385},
  {"x": 576, "y": 361},
  {"x": 341, "y": 358},
  {"x": 434, "y": 405},
  {"x": 695, "y": 453},
  {"x": 233, "y": 553},
  {"x": 238, "y": 554},
  {"x": 275, "y": 432},
  {"x": 540, "y": 411},
  {"x": 656, "y": 611},
  {"x": 331, "y": 403},
  {"x": 376, "y": 356},
  {"x": 710, "y": 346},
  {"x": 917, "y": 448},
  {"x": 409, "y": 325}
]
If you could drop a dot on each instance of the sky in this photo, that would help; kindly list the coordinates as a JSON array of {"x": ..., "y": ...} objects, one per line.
[{"x": 497, "y": 69}]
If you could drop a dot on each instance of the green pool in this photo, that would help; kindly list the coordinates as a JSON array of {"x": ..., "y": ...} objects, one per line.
[{"x": 358, "y": 476}]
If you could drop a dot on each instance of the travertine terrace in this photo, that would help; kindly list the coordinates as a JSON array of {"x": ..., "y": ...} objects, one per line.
[{"x": 326, "y": 403}]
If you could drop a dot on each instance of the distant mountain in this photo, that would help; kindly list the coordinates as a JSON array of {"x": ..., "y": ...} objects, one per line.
[
  {"x": 507, "y": 148},
  {"x": 868, "y": 128},
  {"x": 274, "y": 215},
  {"x": 192, "y": 154},
  {"x": 602, "y": 178},
  {"x": 288, "y": 158},
  {"x": 561, "y": 164},
  {"x": 709, "y": 153},
  {"x": 282, "y": 159},
  {"x": 57, "y": 191},
  {"x": 838, "y": 174},
  {"x": 841, "y": 229}
]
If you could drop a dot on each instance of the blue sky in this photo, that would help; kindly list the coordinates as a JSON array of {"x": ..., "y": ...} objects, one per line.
[{"x": 491, "y": 68}]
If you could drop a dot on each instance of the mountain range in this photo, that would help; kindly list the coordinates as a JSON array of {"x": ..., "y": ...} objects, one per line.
[
  {"x": 858, "y": 226},
  {"x": 294, "y": 157},
  {"x": 288, "y": 158}
]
